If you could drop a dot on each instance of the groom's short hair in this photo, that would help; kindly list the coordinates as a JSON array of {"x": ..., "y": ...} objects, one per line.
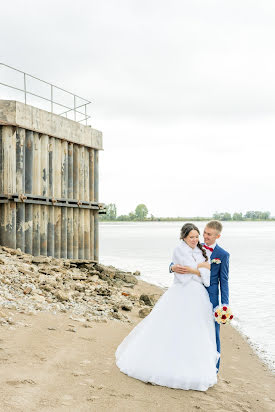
[{"x": 215, "y": 224}]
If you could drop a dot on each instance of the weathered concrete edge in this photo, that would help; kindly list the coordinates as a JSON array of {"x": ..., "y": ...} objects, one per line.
[{"x": 15, "y": 113}]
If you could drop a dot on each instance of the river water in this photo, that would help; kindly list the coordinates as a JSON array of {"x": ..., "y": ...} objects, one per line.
[{"x": 148, "y": 247}]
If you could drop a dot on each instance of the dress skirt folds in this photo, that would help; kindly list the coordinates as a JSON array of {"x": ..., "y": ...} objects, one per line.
[{"x": 175, "y": 344}]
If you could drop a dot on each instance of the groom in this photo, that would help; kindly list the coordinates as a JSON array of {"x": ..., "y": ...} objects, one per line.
[{"x": 219, "y": 271}]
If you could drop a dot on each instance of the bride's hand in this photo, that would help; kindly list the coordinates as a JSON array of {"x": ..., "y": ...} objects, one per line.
[
  {"x": 205, "y": 265},
  {"x": 187, "y": 270}
]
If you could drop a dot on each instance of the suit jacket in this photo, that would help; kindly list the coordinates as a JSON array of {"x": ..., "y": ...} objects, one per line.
[{"x": 219, "y": 277}]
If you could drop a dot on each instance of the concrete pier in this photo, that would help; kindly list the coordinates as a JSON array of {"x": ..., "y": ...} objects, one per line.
[{"x": 49, "y": 201}]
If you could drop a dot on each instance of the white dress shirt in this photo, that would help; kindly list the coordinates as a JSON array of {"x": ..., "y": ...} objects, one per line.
[{"x": 208, "y": 252}]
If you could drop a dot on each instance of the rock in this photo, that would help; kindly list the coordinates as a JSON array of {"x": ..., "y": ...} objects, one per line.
[
  {"x": 6, "y": 281},
  {"x": 129, "y": 285},
  {"x": 126, "y": 277},
  {"x": 127, "y": 306},
  {"x": 62, "y": 296},
  {"x": 41, "y": 259},
  {"x": 149, "y": 300},
  {"x": 79, "y": 276},
  {"x": 26, "y": 271},
  {"x": 144, "y": 312},
  {"x": 3, "y": 315},
  {"x": 80, "y": 287},
  {"x": 136, "y": 273},
  {"x": 12, "y": 251},
  {"x": 27, "y": 290},
  {"x": 38, "y": 298},
  {"x": 103, "y": 291}
]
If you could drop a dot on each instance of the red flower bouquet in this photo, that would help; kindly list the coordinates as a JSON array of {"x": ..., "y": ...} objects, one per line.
[{"x": 223, "y": 314}]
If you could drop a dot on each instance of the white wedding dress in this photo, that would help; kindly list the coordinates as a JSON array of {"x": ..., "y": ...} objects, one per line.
[{"x": 175, "y": 344}]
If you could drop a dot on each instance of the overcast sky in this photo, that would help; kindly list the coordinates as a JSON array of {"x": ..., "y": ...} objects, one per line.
[{"x": 183, "y": 91}]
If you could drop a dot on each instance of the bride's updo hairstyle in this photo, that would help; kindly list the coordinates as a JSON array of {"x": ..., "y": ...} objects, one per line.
[{"x": 184, "y": 232}]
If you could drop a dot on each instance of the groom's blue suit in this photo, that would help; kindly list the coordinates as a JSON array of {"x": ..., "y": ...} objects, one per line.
[{"x": 218, "y": 277}]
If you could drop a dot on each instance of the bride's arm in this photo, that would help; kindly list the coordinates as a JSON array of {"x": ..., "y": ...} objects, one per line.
[
  {"x": 188, "y": 270},
  {"x": 181, "y": 264},
  {"x": 204, "y": 269},
  {"x": 196, "y": 271}
]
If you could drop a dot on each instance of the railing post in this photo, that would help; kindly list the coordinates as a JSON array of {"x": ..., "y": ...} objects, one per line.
[
  {"x": 25, "y": 88},
  {"x": 51, "y": 98}
]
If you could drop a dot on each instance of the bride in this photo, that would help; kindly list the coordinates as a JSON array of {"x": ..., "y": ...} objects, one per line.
[{"x": 175, "y": 344}]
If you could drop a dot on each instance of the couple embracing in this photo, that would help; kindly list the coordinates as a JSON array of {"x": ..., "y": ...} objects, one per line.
[{"x": 178, "y": 344}]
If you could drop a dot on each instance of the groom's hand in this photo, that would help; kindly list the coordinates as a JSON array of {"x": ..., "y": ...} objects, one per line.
[{"x": 179, "y": 269}]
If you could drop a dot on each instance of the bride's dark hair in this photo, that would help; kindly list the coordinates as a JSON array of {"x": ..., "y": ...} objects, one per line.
[{"x": 184, "y": 232}]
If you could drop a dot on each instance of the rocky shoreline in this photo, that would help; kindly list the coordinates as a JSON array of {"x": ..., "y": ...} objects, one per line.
[
  {"x": 45, "y": 367},
  {"x": 88, "y": 290}
]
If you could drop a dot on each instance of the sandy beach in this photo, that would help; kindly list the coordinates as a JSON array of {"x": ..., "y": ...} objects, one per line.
[{"x": 51, "y": 362}]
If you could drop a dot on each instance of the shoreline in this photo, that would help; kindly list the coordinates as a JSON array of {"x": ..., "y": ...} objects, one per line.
[
  {"x": 58, "y": 362},
  {"x": 191, "y": 219}
]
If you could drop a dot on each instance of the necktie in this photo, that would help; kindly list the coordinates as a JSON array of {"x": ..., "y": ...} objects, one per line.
[{"x": 209, "y": 248}]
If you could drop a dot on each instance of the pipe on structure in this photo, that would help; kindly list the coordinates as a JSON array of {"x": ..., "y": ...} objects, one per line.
[
  {"x": 36, "y": 179},
  {"x": 20, "y": 187},
  {"x": 50, "y": 191},
  {"x": 75, "y": 233},
  {"x": 49, "y": 187},
  {"x": 70, "y": 216},
  {"x": 8, "y": 170},
  {"x": 44, "y": 176}
]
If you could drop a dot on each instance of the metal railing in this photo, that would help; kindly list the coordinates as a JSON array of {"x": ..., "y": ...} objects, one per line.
[{"x": 75, "y": 109}]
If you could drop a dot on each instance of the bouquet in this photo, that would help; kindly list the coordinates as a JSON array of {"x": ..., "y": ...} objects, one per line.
[{"x": 223, "y": 314}]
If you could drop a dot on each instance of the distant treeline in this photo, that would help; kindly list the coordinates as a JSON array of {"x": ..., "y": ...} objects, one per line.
[{"x": 141, "y": 214}]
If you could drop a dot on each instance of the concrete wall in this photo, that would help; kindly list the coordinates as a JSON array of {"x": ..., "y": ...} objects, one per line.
[{"x": 31, "y": 118}]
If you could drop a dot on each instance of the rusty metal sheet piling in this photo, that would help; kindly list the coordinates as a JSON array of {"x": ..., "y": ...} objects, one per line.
[
  {"x": 64, "y": 195},
  {"x": 70, "y": 216},
  {"x": 57, "y": 195},
  {"x": 37, "y": 191},
  {"x": 92, "y": 229},
  {"x": 76, "y": 172},
  {"x": 75, "y": 233},
  {"x": 28, "y": 161},
  {"x": 86, "y": 234},
  {"x": 57, "y": 232},
  {"x": 96, "y": 236},
  {"x": 44, "y": 176},
  {"x": 70, "y": 170},
  {"x": 50, "y": 225},
  {"x": 70, "y": 233},
  {"x": 91, "y": 174},
  {"x": 28, "y": 190},
  {"x": 48, "y": 184},
  {"x": 96, "y": 176},
  {"x": 20, "y": 188},
  {"x": 81, "y": 234},
  {"x": 50, "y": 232},
  {"x": 9, "y": 185}
]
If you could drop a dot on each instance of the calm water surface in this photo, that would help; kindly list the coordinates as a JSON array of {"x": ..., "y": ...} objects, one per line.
[{"x": 148, "y": 247}]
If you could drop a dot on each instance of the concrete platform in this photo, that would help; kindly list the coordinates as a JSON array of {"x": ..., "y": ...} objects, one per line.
[{"x": 15, "y": 113}]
